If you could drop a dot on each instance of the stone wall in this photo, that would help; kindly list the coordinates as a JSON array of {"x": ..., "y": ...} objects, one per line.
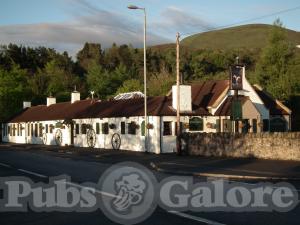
[{"x": 279, "y": 146}]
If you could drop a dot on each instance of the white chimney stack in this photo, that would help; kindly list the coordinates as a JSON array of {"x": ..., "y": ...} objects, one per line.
[
  {"x": 75, "y": 96},
  {"x": 26, "y": 105},
  {"x": 51, "y": 100},
  {"x": 185, "y": 100}
]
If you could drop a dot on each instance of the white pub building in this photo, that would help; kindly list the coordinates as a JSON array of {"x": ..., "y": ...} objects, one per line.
[{"x": 118, "y": 123}]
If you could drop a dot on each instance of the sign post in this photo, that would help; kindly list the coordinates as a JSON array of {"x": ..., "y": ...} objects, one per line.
[{"x": 236, "y": 84}]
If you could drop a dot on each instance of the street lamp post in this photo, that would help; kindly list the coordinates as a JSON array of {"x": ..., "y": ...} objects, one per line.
[{"x": 145, "y": 75}]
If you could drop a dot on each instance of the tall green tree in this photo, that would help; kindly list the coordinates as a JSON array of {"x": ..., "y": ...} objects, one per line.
[
  {"x": 90, "y": 53},
  {"x": 13, "y": 90},
  {"x": 98, "y": 80},
  {"x": 273, "y": 68}
]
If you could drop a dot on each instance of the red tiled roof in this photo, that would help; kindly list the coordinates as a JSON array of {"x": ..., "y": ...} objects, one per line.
[
  {"x": 270, "y": 102},
  {"x": 157, "y": 106},
  {"x": 205, "y": 94}
]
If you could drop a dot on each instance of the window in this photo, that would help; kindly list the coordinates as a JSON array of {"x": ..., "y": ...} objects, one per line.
[
  {"x": 83, "y": 128},
  {"x": 218, "y": 125},
  {"x": 196, "y": 124},
  {"x": 104, "y": 128},
  {"x": 14, "y": 129},
  {"x": 4, "y": 130},
  {"x": 97, "y": 128},
  {"x": 47, "y": 129},
  {"x": 143, "y": 128},
  {"x": 132, "y": 128},
  {"x": 227, "y": 125},
  {"x": 28, "y": 129},
  {"x": 51, "y": 127},
  {"x": 167, "y": 128},
  {"x": 40, "y": 130},
  {"x": 18, "y": 129},
  {"x": 278, "y": 125},
  {"x": 31, "y": 129},
  {"x": 9, "y": 130},
  {"x": 265, "y": 125},
  {"x": 254, "y": 125},
  {"x": 36, "y": 130},
  {"x": 77, "y": 128},
  {"x": 123, "y": 128}
]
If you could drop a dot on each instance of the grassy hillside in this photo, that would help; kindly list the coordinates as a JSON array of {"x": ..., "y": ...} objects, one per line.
[{"x": 252, "y": 36}]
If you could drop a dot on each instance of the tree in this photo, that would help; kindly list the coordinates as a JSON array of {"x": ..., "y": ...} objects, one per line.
[
  {"x": 98, "y": 80},
  {"x": 272, "y": 70},
  {"x": 13, "y": 90},
  {"x": 160, "y": 84},
  {"x": 90, "y": 53},
  {"x": 129, "y": 86}
]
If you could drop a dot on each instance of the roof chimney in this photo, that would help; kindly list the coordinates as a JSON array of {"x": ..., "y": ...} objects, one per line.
[
  {"x": 26, "y": 105},
  {"x": 185, "y": 97},
  {"x": 75, "y": 96},
  {"x": 51, "y": 100}
]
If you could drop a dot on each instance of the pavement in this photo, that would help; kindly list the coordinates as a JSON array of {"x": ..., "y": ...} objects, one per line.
[{"x": 229, "y": 168}]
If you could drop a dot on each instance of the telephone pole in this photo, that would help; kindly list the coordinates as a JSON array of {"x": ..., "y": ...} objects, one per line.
[{"x": 178, "y": 142}]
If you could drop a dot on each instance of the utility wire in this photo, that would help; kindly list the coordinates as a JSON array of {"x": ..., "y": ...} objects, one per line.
[{"x": 245, "y": 21}]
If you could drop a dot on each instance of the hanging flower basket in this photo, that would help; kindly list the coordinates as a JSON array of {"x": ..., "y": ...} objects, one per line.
[
  {"x": 209, "y": 125},
  {"x": 186, "y": 125},
  {"x": 58, "y": 125},
  {"x": 149, "y": 126}
]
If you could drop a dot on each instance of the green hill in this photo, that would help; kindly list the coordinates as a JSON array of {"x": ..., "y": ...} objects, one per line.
[{"x": 252, "y": 36}]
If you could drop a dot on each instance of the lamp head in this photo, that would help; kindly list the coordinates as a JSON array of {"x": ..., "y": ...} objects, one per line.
[{"x": 132, "y": 7}]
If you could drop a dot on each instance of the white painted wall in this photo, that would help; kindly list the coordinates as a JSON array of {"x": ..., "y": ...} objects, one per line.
[{"x": 128, "y": 141}]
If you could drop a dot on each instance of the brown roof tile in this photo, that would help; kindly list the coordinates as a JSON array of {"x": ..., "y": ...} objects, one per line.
[
  {"x": 270, "y": 102},
  {"x": 157, "y": 106},
  {"x": 206, "y": 93}
]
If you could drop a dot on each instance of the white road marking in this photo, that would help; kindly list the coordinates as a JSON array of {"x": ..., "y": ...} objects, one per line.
[
  {"x": 5, "y": 165},
  {"x": 196, "y": 218},
  {"x": 32, "y": 173}
]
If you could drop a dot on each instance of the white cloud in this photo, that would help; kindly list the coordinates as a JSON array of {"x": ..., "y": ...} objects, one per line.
[
  {"x": 175, "y": 19},
  {"x": 90, "y": 25}
]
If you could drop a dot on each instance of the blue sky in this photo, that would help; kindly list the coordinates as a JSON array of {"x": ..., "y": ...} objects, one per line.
[{"x": 67, "y": 24}]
